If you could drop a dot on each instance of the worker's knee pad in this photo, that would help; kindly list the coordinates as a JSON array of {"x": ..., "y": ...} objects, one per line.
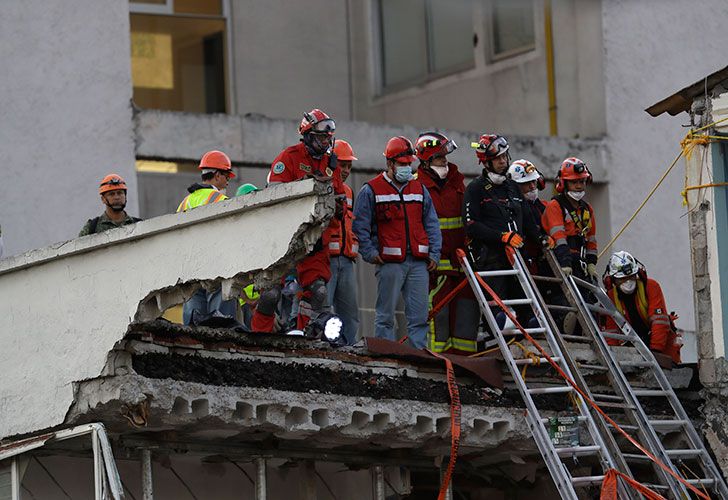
[
  {"x": 317, "y": 294},
  {"x": 268, "y": 301}
]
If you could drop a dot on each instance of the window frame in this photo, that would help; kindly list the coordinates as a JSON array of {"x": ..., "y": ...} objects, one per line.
[
  {"x": 430, "y": 74},
  {"x": 492, "y": 57},
  {"x": 167, "y": 9}
]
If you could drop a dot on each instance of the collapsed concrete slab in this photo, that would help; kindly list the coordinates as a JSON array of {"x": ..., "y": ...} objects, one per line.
[{"x": 66, "y": 305}]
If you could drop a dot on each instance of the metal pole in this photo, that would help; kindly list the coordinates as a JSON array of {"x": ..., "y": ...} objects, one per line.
[
  {"x": 261, "y": 489},
  {"x": 14, "y": 480},
  {"x": 147, "y": 485},
  {"x": 378, "y": 473},
  {"x": 98, "y": 467}
]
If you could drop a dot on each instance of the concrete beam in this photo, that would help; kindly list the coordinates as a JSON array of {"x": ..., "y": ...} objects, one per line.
[
  {"x": 66, "y": 305},
  {"x": 256, "y": 139}
]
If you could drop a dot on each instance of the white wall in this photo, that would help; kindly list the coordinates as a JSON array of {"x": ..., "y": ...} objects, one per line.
[
  {"x": 66, "y": 117},
  {"x": 652, "y": 49}
]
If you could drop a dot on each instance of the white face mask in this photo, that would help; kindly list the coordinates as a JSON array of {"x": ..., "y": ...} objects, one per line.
[
  {"x": 628, "y": 287},
  {"x": 576, "y": 195},
  {"x": 531, "y": 195},
  {"x": 440, "y": 171},
  {"x": 497, "y": 179}
]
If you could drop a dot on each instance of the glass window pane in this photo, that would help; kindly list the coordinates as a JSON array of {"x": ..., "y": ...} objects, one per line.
[
  {"x": 177, "y": 63},
  {"x": 209, "y": 7},
  {"x": 451, "y": 34},
  {"x": 404, "y": 43},
  {"x": 512, "y": 25}
]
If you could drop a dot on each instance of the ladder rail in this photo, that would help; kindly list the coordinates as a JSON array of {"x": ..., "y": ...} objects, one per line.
[{"x": 690, "y": 432}]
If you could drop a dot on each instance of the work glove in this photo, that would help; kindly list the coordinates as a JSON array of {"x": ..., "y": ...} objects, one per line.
[
  {"x": 548, "y": 242},
  {"x": 513, "y": 239},
  {"x": 566, "y": 270},
  {"x": 591, "y": 270}
]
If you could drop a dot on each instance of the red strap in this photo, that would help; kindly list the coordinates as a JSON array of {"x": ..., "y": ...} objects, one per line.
[
  {"x": 609, "y": 487},
  {"x": 455, "y": 412}
]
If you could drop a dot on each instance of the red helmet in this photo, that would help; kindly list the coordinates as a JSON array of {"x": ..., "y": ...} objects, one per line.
[
  {"x": 216, "y": 160},
  {"x": 111, "y": 182},
  {"x": 490, "y": 146},
  {"x": 343, "y": 150},
  {"x": 431, "y": 145},
  {"x": 572, "y": 169},
  {"x": 318, "y": 122},
  {"x": 399, "y": 149}
]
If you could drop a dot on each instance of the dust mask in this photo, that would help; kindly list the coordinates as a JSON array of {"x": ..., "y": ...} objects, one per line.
[
  {"x": 576, "y": 195},
  {"x": 628, "y": 287},
  {"x": 496, "y": 179},
  {"x": 531, "y": 195},
  {"x": 403, "y": 173},
  {"x": 440, "y": 171}
]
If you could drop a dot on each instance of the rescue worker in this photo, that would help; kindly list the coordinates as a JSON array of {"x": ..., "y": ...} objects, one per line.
[
  {"x": 569, "y": 220},
  {"x": 398, "y": 231},
  {"x": 455, "y": 327},
  {"x": 497, "y": 218},
  {"x": 312, "y": 157},
  {"x": 113, "y": 195},
  {"x": 216, "y": 172},
  {"x": 343, "y": 247},
  {"x": 245, "y": 189},
  {"x": 640, "y": 300}
]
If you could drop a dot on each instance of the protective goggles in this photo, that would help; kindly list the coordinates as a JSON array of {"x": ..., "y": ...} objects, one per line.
[
  {"x": 113, "y": 182},
  {"x": 327, "y": 126},
  {"x": 446, "y": 147}
]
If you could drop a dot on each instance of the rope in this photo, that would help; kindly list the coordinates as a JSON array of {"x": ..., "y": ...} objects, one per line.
[
  {"x": 455, "y": 413},
  {"x": 488, "y": 351},
  {"x": 535, "y": 359},
  {"x": 687, "y": 145},
  {"x": 586, "y": 398}
]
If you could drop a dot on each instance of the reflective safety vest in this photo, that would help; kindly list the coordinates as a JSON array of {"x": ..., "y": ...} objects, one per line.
[
  {"x": 650, "y": 304},
  {"x": 202, "y": 196},
  {"x": 398, "y": 215},
  {"x": 572, "y": 228},
  {"x": 447, "y": 198},
  {"x": 339, "y": 237}
]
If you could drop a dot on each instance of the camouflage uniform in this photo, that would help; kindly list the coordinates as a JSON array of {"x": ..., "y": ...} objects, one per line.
[{"x": 104, "y": 224}]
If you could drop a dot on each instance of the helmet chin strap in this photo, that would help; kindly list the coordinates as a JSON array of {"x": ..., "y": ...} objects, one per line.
[{"x": 115, "y": 208}]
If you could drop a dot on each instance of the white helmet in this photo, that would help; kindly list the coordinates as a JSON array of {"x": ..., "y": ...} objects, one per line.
[
  {"x": 622, "y": 264},
  {"x": 522, "y": 171}
]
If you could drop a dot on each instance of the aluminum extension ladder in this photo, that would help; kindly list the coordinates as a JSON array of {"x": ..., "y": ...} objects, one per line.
[
  {"x": 691, "y": 458},
  {"x": 556, "y": 458}
]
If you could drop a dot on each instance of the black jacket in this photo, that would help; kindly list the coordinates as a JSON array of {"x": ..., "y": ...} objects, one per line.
[{"x": 489, "y": 210}]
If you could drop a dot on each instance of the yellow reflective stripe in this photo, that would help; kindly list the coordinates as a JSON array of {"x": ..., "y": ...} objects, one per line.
[
  {"x": 464, "y": 344},
  {"x": 445, "y": 265},
  {"x": 451, "y": 222},
  {"x": 435, "y": 345},
  {"x": 183, "y": 206}
]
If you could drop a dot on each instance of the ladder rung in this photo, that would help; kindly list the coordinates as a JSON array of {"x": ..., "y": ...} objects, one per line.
[
  {"x": 692, "y": 452},
  {"x": 551, "y": 390},
  {"x": 576, "y": 338},
  {"x": 578, "y": 419},
  {"x": 516, "y": 331},
  {"x": 498, "y": 272},
  {"x": 585, "y": 480},
  {"x": 594, "y": 367},
  {"x": 577, "y": 450},
  {"x": 607, "y": 397},
  {"x": 636, "y": 457},
  {"x": 529, "y": 361},
  {"x": 637, "y": 364},
  {"x": 650, "y": 392},
  {"x": 511, "y": 302},
  {"x": 556, "y": 307},
  {"x": 616, "y": 336},
  {"x": 623, "y": 406},
  {"x": 548, "y": 279},
  {"x": 702, "y": 481},
  {"x": 667, "y": 423},
  {"x": 625, "y": 427}
]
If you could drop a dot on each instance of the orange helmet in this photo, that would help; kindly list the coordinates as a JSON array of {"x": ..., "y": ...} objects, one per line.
[
  {"x": 431, "y": 144},
  {"x": 318, "y": 122},
  {"x": 572, "y": 169},
  {"x": 216, "y": 160},
  {"x": 399, "y": 149},
  {"x": 111, "y": 182},
  {"x": 343, "y": 150}
]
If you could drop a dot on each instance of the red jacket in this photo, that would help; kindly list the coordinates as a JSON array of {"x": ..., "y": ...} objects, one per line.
[
  {"x": 399, "y": 220},
  {"x": 294, "y": 163},
  {"x": 650, "y": 304},
  {"x": 572, "y": 229},
  {"x": 339, "y": 237},
  {"x": 447, "y": 198}
]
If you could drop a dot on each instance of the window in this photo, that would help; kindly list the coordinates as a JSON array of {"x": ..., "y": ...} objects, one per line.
[
  {"x": 178, "y": 54},
  {"x": 424, "y": 39},
  {"x": 512, "y": 28}
]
